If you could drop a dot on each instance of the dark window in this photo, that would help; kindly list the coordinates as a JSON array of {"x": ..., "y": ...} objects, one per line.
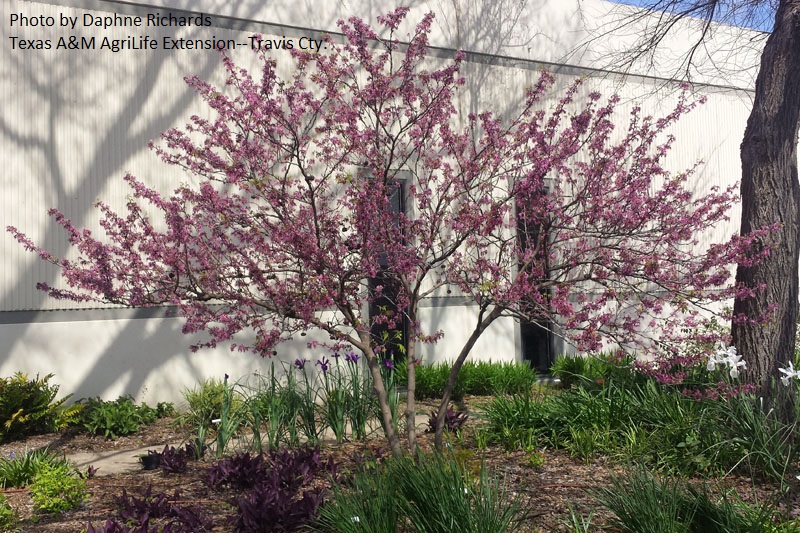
[
  {"x": 536, "y": 334},
  {"x": 391, "y": 339}
]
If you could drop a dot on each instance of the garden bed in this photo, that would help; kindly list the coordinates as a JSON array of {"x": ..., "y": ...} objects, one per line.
[{"x": 548, "y": 489}]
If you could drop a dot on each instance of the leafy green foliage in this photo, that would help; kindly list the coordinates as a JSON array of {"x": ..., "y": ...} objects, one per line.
[
  {"x": 481, "y": 378},
  {"x": 20, "y": 469},
  {"x": 56, "y": 489},
  {"x": 8, "y": 518},
  {"x": 29, "y": 406},
  {"x": 116, "y": 418}
]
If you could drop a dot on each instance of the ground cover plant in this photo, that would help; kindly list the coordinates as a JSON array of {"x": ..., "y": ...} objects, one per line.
[
  {"x": 57, "y": 488},
  {"x": 8, "y": 518},
  {"x": 19, "y": 469}
]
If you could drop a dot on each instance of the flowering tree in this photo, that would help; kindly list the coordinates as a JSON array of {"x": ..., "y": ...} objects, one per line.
[{"x": 293, "y": 214}]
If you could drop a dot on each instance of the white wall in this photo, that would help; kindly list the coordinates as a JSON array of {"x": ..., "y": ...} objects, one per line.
[{"x": 148, "y": 358}]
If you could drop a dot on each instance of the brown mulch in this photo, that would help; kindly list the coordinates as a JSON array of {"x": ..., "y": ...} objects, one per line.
[{"x": 548, "y": 491}]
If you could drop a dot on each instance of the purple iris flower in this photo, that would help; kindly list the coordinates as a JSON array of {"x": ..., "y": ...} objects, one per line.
[
  {"x": 323, "y": 363},
  {"x": 300, "y": 363},
  {"x": 351, "y": 357},
  {"x": 388, "y": 363}
]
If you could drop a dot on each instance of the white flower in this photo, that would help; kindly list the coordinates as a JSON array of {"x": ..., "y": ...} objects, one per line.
[
  {"x": 216, "y": 420},
  {"x": 736, "y": 363},
  {"x": 725, "y": 353},
  {"x": 726, "y": 357},
  {"x": 355, "y": 519},
  {"x": 789, "y": 374}
]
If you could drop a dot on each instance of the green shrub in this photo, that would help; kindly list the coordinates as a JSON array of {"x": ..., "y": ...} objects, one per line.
[
  {"x": 645, "y": 423},
  {"x": 19, "y": 469},
  {"x": 437, "y": 495},
  {"x": 511, "y": 378},
  {"x": 56, "y": 489},
  {"x": 595, "y": 370},
  {"x": 116, "y": 418},
  {"x": 28, "y": 406},
  {"x": 8, "y": 518},
  {"x": 571, "y": 369}
]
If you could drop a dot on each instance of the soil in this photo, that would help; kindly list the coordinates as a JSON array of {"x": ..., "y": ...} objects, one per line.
[{"x": 548, "y": 491}]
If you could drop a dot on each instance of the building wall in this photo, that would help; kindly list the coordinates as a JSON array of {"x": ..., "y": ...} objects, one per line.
[{"x": 73, "y": 122}]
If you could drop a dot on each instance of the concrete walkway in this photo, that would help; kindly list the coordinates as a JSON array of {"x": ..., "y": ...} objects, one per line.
[{"x": 111, "y": 462}]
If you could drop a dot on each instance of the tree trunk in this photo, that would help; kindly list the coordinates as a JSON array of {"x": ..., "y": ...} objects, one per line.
[
  {"x": 482, "y": 324},
  {"x": 411, "y": 391},
  {"x": 380, "y": 391},
  {"x": 770, "y": 194}
]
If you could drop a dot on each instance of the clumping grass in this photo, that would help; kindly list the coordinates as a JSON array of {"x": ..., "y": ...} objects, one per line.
[
  {"x": 754, "y": 436},
  {"x": 481, "y": 378},
  {"x": 366, "y": 504},
  {"x": 429, "y": 493},
  {"x": 641, "y": 502},
  {"x": 633, "y": 418}
]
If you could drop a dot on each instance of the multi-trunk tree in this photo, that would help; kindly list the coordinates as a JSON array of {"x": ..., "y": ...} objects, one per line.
[{"x": 552, "y": 216}]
